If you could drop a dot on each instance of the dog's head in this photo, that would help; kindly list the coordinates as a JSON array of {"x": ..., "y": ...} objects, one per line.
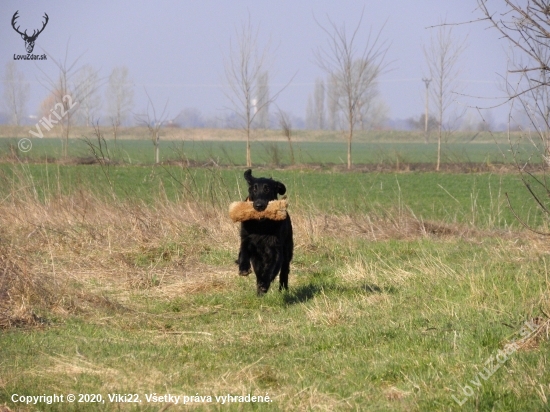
[{"x": 261, "y": 190}]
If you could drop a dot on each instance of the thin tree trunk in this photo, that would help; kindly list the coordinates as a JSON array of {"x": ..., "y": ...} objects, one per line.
[
  {"x": 157, "y": 148},
  {"x": 349, "y": 153},
  {"x": 115, "y": 132},
  {"x": 438, "y": 150},
  {"x": 440, "y": 130},
  {"x": 350, "y": 136},
  {"x": 426, "y": 114},
  {"x": 248, "y": 156},
  {"x": 291, "y": 151}
]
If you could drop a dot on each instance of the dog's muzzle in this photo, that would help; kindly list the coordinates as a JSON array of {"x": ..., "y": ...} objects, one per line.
[{"x": 259, "y": 205}]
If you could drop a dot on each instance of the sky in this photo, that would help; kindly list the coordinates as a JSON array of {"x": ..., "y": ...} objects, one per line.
[{"x": 175, "y": 50}]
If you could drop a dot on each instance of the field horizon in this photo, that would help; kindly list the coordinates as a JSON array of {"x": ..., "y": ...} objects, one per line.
[
  {"x": 384, "y": 151},
  {"x": 238, "y": 134}
]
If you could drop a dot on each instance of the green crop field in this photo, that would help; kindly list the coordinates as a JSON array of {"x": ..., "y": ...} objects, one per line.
[
  {"x": 476, "y": 198},
  {"x": 373, "y": 151},
  {"x": 409, "y": 290}
]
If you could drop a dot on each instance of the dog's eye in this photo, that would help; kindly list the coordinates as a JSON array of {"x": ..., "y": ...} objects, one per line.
[
  {"x": 255, "y": 188},
  {"x": 266, "y": 189}
]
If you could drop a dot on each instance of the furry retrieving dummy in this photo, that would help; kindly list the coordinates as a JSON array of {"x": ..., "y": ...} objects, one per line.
[{"x": 243, "y": 211}]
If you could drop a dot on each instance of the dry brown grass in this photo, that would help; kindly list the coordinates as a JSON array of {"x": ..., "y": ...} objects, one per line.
[
  {"x": 83, "y": 251},
  {"x": 539, "y": 335},
  {"x": 391, "y": 224},
  {"x": 21, "y": 292},
  {"x": 174, "y": 133},
  {"x": 64, "y": 254}
]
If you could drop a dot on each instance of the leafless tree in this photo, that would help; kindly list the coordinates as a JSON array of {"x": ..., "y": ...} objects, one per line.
[
  {"x": 246, "y": 63},
  {"x": 355, "y": 69},
  {"x": 286, "y": 126},
  {"x": 525, "y": 26},
  {"x": 16, "y": 93},
  {"x": 420, "y": 122},
  {"x": 262, "y": 100},
  {"x": 487, "y": 123},
  {"x": 90, "y": 102},
  {"x": 315, "y": 110},
  {"x": 67, "y": 90},
  {"x": 333, "y": 98},
  {"x": 319, "y": 103},
  {"x": 372, "y": 111},
  {"x": 46, "y": 105},
  {"x": 154, "y": 123},
  {"x": 426, "y": 107},
  {"x": 311, "y": 122},
  {"x": 190, "y": 117},
  {"x": 443, "y": 57},
  {"x": 120, "y": 97}
]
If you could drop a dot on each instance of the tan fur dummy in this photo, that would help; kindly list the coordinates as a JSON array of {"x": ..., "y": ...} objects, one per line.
[{"x": 241, "y": 211}]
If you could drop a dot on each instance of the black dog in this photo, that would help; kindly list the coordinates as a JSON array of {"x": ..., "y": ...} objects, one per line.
[{"x": 267, "y": 244}]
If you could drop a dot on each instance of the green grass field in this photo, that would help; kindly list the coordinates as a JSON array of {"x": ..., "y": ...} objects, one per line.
[
  {"x": 406, "y": 290},
  {"x": 466, "y": 198},
  {"x": 390, "y": 154}
]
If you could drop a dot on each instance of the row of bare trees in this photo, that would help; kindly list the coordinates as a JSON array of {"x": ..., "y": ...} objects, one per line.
[
  {"x": 16, "y": 93},
  {"x": 83, "y": 84},
  {"x": 353, "y": 66},
  {"x": 372, "y": 111},
  {"x": 353, "y": 63}
]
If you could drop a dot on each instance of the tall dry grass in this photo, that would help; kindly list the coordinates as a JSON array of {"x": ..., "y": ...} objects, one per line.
[{"x": 86, "y": 251}]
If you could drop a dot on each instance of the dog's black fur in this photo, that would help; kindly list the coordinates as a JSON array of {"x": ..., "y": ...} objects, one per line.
[{"x": 267, "y": 244}]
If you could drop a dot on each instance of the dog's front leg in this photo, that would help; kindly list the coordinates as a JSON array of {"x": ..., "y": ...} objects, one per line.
[{"x": 244, "y": 259}]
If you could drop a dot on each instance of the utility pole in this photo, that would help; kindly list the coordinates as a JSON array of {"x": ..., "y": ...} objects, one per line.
[{"x": 427, "y": 82}]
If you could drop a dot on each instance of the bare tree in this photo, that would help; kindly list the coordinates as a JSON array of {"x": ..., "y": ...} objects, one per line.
[
  {"x": 421, "y": 123},
  {"x": 286, "y": 126},
  {"x": 354, "y": 69},
  {"x": 442, "y": 58},
  {"x": 525, "y": 26},
  {"x": 315, "y": 110},
  {"x": 333, "y": 110},
  {"x": 46, "y": 105},
  {"x": 373, "y": 112},
  {"x": 190, "y": 117},
  {"x": 90, "y": 102},
  {"x": 120, "y": 97},
  {"x": 487, "y": 123},
  {"x": 262, "y": 100},
  {"x": 319, "y": 103},
  {"x": 154, "y": 123},
  {"x": 246, "y": 64},
  {"x": 16, "y": 93},
  {"x": 426, "y": 107},
  {"x": 311, "y": 121},
  {"x": 67, "y": 90}
]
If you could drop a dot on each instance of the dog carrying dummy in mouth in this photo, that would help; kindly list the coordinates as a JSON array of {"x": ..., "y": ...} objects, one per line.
[{"x": 243, "y": 211}]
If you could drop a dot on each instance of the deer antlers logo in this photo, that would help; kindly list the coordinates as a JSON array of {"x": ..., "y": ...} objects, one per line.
[{"x": 29, "y": 40}]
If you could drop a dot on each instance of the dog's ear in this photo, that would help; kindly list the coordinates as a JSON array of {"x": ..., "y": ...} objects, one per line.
[
  {"x": 248, "y": 177},
  {"x": 281, "y": 189}
]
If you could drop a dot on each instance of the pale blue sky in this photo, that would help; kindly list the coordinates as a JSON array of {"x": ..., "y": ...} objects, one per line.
[{"x": 175, "y": 49}]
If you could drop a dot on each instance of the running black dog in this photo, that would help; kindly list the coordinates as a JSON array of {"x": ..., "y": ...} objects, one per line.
[{"x": 267, "y": 244}]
